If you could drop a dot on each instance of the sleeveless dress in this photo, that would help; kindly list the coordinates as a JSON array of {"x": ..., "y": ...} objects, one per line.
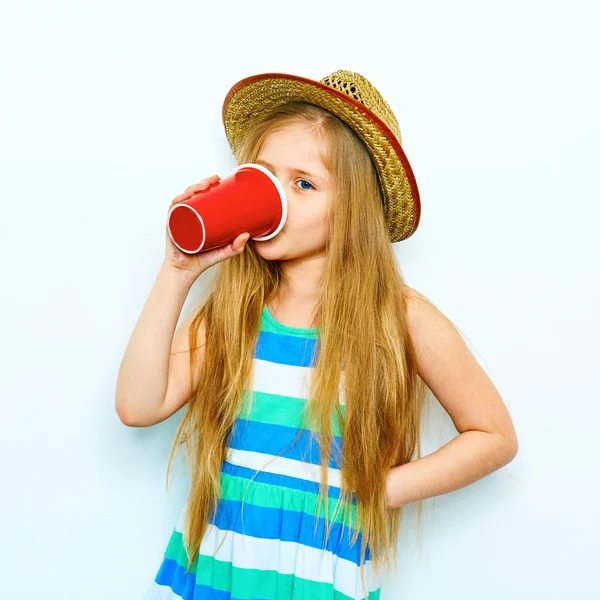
[{"x": 266, "y": 547}]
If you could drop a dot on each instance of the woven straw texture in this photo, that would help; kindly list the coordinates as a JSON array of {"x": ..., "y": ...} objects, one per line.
[{"x": 354, "y": 100}]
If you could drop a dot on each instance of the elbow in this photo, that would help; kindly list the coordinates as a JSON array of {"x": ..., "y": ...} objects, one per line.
[
  {"x": 511, "y": 446},
  {"x": 132, "y": 417},
  {"x": 126, "y": 416},
  {"x": 515, "y": 449}
]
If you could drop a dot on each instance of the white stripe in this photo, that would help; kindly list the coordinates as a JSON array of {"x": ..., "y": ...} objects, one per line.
[
  {"x": 284, "y": 380},
  {"x": 314, "y": 564},
  {"x": 291, "y": 558},
  {"x": 281, "y": 465}
]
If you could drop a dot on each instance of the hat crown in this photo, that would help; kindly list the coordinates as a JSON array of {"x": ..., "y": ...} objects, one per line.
[{"x": 361, "y": 89}]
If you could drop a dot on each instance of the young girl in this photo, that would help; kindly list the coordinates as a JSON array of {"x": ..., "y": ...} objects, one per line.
[{"x": 305, "y": 370}]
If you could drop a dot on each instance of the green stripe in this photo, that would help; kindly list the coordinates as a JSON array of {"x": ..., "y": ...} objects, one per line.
[
  {"x": 222, "y": 575},
  {"x": 268, "y": 323},
  {"x": 269, "y": 495},
  {"x": 281, "y": 410}
]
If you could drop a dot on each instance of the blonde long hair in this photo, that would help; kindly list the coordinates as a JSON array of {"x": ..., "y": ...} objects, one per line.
[{"x": 364, "y": 342}]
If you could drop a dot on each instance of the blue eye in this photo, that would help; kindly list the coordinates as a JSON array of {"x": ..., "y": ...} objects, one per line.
[{"x": 304, "y": 180}]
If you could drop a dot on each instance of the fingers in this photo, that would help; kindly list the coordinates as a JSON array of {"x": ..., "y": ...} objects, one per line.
[
  {"x": 201, "y": 185},
  {"x": 240, "y": 242}
]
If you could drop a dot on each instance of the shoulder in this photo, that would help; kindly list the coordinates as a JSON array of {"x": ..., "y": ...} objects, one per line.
[
  {"x": 421, "y": 312},
  {"x": 436, "y": 339}
]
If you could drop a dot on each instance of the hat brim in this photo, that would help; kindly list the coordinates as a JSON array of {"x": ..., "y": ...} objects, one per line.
[{"x": 253, "y": 97}]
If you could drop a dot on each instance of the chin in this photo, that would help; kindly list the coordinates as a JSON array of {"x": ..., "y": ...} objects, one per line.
[{"x": 269, "y": 249}]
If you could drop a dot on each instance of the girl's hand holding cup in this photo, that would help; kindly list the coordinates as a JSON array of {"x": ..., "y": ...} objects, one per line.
[
  {"x": 193, "y": 265},
  {"x": 212, "y": 220}
]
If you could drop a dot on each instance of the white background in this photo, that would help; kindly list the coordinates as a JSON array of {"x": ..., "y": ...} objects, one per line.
[{"x": 110, "y": 109}]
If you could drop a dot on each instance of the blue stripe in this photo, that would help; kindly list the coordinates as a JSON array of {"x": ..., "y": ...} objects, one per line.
[
  {"x": 287, "y": 481},
  {"x": 269, "y": 438},
  {"x": 264, "y": 523},
  {"x": 173, "y": 575},
  {"x": 288, "y": 526},
  {"x": 285, "y": 349}
]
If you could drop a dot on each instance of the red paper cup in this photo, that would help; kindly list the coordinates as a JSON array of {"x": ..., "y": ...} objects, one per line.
[{"x": 250, "y": 199}]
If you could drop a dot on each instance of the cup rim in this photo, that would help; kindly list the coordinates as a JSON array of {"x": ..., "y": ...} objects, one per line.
[
  {"x": 282, "y": 198},
  {"x": 184, "y": 205}
]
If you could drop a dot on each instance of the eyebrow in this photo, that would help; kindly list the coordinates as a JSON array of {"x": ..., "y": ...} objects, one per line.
[{"x": 290, "y": 169}]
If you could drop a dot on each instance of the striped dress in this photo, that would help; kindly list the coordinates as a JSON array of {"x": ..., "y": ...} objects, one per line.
[{"x": 270, "y": 550}]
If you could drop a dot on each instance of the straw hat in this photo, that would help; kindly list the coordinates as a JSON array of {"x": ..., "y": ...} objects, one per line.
[{"x": 354, "y": 100}]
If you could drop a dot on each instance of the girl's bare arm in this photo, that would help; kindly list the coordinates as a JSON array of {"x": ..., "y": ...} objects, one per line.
[{"x": 153, "y": 380}]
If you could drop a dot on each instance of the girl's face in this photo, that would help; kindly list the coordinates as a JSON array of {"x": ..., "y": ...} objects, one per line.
[{"x": 292, "y": 155}]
